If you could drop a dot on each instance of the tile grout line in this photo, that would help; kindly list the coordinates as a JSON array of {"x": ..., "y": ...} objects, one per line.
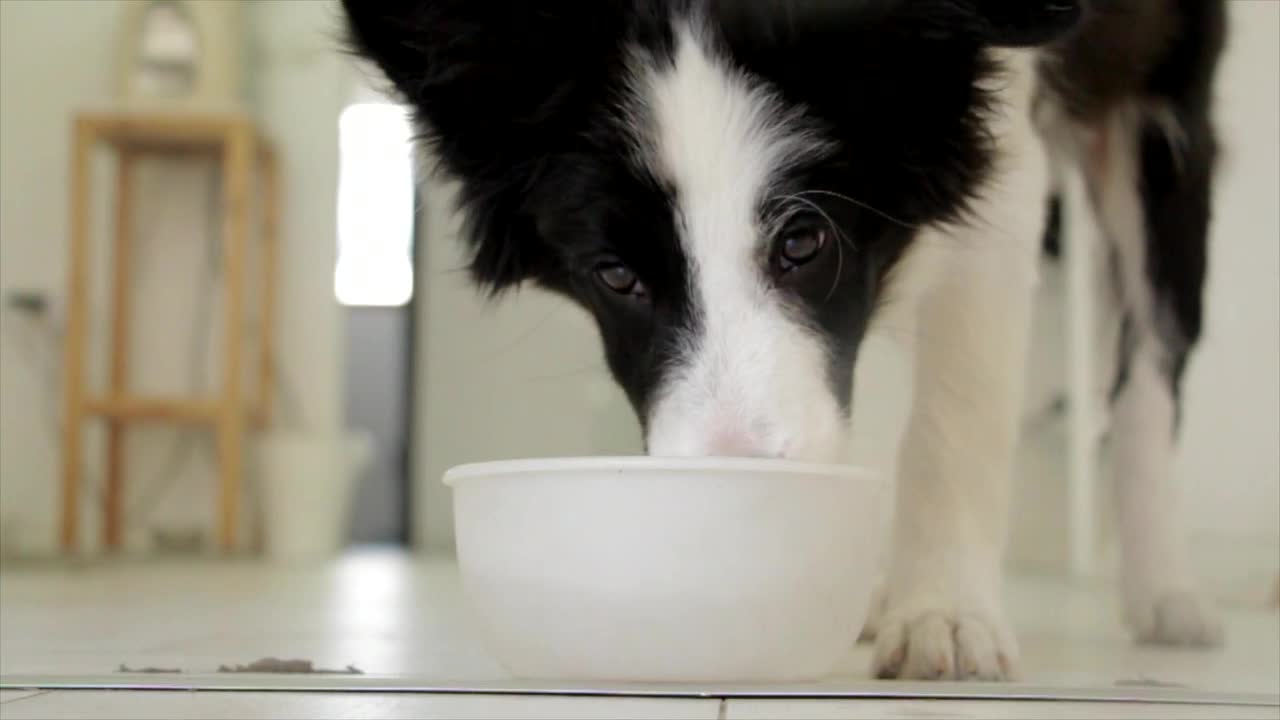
[
  {"x": 401, "y": 685},
  {"x": 722, "y": 710},
  {"x": 33, "y": 694}
]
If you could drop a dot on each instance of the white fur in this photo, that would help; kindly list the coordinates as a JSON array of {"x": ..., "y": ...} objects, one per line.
[
  {"x": 970, "y": 288},
  {"x": 754, "y": 379},
  {"x": 1160, "y": 602}
]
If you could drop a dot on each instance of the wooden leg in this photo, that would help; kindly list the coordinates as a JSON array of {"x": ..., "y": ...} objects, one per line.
[
  {"x": 237, "y": 168},
  {"x": 270, "y": 268},
  {"x": 113, "y": 520},
  {"x": 262, "y": 411},
  {"x": 73, "y": 349}
]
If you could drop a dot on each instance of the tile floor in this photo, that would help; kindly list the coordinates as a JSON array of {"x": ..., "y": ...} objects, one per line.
[
  {"x": 402, "y": 622},
  {"x": 171, "y": 705}
]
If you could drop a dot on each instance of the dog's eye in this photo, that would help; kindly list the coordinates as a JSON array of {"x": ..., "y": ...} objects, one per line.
[
  {"x": 800, "y": 248},
  {"x": 621, "y": 279}
]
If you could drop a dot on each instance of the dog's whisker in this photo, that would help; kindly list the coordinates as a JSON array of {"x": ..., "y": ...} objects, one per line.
[
  {"x": 840, "y": 234},
  {"x": 864, "y": 206},
  {"x": 835, "y": 281},
  {"x": 572, "y": 373}
]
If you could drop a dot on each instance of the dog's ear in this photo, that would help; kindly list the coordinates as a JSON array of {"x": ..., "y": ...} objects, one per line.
[
  {"x": 993, "y": 23},
  {"x": 496, "y": 87},
  {"x": 1025, "y": 23},
  {"x": 997, "y": 23}
]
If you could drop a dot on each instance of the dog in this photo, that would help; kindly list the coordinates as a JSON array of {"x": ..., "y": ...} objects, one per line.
[{"x": 739, "y": 191}]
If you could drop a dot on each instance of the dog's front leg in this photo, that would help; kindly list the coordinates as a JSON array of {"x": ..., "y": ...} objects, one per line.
[
  {"x": 971, "y": 291},
  {"x": 943, "y": 614}
]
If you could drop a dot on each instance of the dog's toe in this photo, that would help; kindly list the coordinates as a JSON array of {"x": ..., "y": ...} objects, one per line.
[
  {"x": 874, "y": 615},
  {"x": 1176, "y": 618},
  {"x": 943, "y": 646}
]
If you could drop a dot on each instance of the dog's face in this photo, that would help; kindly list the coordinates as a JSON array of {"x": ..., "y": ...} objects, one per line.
[{"x": 726, "y": 186}]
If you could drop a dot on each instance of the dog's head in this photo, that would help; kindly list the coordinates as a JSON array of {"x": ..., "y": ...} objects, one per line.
[{"x": 726, "y": 185}]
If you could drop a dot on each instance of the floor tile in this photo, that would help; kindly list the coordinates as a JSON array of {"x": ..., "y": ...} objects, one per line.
[
  {"x": 393, "y": 614},
  {"x": 8, "y": 696},
  {"x": 107, "y": 704},
  {"x": 985, "y": 709},
  {"x": 383, "y": 613}
]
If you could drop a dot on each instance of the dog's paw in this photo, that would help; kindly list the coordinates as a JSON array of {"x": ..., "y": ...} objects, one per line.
[
  {"x": 937, "y": 645},
  {"x": 875, "y": 614},
  {"x": 1177, "y": 618}
]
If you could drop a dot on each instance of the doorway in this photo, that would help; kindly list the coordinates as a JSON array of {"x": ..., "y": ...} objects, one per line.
[{"x": 374, "y": 281}]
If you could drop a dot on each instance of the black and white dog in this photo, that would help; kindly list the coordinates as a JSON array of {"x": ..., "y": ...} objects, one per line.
[{"x": 740, "y": 190}]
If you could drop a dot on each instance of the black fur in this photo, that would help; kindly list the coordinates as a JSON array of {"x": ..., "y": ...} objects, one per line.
[
  {"x": 521, "y": 102},
  {"x": 1177, "y": 174},
  {"x": 902, "y": 98},
  {"x": 1051, "y": 243},
  {"x": 504, "y": 90},
  {"x": 1160, "y": 54}
]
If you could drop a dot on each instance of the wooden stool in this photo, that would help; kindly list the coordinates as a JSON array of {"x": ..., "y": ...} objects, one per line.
[{"x": 234, "y": 141}]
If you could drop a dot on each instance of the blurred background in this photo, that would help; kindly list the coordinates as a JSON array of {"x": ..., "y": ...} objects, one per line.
[
  {"x": 378, "y": 342},
  {"x": 386, "y": 367}
]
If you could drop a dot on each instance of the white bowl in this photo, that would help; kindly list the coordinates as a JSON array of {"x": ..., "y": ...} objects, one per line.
[{"x": 667, "y": 570}]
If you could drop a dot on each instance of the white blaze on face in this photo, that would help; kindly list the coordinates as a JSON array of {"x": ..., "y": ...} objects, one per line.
[{"x": 752, "y": 379}]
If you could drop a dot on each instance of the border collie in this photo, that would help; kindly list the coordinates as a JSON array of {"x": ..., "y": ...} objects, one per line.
[{"x": 738, "y": 191}]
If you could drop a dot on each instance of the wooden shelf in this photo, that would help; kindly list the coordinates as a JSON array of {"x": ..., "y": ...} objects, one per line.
[
  {"x": 157, "y": 409},
  {"x": 250, "y": 175},
  {"x": 165, "y": 131}
]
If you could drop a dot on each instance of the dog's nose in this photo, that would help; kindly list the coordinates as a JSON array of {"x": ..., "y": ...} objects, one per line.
[{"x": 736, "y": 443}]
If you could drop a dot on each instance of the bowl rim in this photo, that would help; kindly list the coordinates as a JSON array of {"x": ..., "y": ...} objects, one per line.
[{"x": 529, "y": 466}]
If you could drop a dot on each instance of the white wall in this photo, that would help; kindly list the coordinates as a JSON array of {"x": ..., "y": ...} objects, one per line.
[
  {"x": 43, "y": 74},
  {"x": 1230, "y": 456},
  {"x": 56, "y": 58}
]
